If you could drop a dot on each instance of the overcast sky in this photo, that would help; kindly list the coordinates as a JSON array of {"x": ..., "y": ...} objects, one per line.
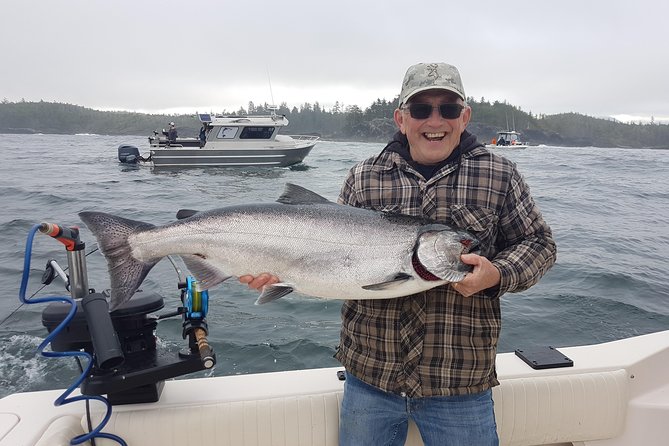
[{"x": 596, "y": 57}]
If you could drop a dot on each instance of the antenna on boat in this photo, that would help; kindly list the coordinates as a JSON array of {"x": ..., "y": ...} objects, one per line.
[{"x": 272, "y": 107}]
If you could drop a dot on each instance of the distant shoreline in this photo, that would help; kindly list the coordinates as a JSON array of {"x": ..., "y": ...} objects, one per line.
[
  {"x": 33, "y": 132},
  {"x": 373, "y": 124}
]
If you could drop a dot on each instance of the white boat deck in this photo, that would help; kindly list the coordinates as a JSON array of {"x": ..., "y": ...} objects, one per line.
[{"x": 616, "y": 394}]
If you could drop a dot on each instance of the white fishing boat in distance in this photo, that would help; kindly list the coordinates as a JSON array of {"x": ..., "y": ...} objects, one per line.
[
  {"x": 614, "y": 394},
  {"x": 229, "y": 140},
  {"x": 507, "y": 139}
]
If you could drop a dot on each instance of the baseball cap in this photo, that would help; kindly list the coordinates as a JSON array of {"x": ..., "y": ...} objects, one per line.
[
  {"x": 171, "y": 123},
  {"x": 430, "y": 76}
]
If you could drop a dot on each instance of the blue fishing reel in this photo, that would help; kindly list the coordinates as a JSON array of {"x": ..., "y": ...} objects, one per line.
[
  {"x": 196, "y": 301},
  {"x": 195, "y": 305}
]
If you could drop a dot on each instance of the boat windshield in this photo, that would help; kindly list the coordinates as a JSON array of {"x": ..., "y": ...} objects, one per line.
[
  {"x": 508, "y": 136},
  {"x": 257, "y": 133}
]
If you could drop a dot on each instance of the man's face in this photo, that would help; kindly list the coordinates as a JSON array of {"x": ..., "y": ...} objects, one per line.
[{"x": 433, "y": 139}]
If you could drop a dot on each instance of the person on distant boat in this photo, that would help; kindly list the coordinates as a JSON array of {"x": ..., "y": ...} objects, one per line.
[
  {"x": 430, "y": 357},
  {"x": 172, "y": 134},
  {"x": 203, "y": 135},
  {"x": 501, "y": 141}
]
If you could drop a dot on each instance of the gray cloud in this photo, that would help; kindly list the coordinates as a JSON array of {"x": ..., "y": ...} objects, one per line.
[{"x": 598, "y": 57}]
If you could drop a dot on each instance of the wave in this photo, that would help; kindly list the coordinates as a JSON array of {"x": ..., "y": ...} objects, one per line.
[
  {"x": 609, "y": 210},
  {"x": 22, "y": 369}
]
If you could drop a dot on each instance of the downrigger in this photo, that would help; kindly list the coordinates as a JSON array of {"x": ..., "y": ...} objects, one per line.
[{"x": 128, "y": 365}]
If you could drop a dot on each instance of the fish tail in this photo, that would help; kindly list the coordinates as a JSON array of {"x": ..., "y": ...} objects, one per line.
[{"x": 125, "y": 271}]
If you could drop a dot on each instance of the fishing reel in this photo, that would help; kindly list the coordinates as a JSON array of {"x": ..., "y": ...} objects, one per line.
[
  {"x": 196, "y": 305},
  {"x": 129, "y": 367}
]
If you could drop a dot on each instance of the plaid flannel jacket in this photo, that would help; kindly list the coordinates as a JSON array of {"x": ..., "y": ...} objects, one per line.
[{"x": 437, "y": 342}]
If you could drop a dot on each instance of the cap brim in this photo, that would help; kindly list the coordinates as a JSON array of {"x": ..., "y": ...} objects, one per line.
[{"x": 432, "y": 87}]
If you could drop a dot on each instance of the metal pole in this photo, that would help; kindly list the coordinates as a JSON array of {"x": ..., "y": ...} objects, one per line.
[{"x": 78, "y": 273}]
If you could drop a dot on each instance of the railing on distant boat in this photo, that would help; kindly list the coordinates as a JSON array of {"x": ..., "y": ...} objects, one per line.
[{"x": 304, "y": 137}]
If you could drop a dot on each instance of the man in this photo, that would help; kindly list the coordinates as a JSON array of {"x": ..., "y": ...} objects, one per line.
[
  {"x": 203, "y": 135},
  {"x": 172, "y": 133},
  {"x": 430, "y": 357}
]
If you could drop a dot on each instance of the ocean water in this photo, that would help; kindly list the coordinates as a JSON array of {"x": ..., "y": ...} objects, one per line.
[{"x": 608, "y": 208}]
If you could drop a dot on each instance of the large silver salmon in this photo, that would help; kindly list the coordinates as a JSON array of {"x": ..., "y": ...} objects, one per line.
[{"x": 316, "y": 247}]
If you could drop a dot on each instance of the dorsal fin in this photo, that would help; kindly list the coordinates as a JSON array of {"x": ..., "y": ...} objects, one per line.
[
  {"x": 185, "y": 213},
  {"x": 294, "y": 194}
]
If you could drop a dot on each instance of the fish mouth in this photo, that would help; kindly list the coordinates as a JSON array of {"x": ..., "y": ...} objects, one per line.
[{"x": 470, "y": 245}]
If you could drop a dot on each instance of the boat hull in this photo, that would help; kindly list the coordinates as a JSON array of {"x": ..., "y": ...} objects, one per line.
[
  {"x": 510, "y": 146},
  {"x": 195, "y": 157}
]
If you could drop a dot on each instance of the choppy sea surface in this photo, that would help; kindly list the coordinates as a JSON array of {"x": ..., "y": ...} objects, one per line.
[{"x": 608, "y": 208}]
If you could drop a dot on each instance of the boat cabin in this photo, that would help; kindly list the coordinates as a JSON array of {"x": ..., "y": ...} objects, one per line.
[{"x": 232, "y": 127}]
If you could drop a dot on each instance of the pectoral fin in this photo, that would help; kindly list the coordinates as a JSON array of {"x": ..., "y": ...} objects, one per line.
[
  {"x": 274, "y": 292},
  {"x": 399, "y": 279},
  {"x": 205, "y": 273}
]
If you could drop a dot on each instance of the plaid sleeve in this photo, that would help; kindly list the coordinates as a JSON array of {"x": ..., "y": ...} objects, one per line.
[
  {"x": 347, "y": 192},
  {"x": 528, "y": 249}
]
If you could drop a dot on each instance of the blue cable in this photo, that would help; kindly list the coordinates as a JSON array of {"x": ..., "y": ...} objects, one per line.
[{"x": 63, "y": 398}]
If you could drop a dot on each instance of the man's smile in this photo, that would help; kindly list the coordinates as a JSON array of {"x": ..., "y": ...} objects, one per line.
[{"x": 434, "y": 136}]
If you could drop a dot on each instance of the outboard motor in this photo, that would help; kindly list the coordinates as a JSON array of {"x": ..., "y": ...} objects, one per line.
[{"x": 128, "y": 154}]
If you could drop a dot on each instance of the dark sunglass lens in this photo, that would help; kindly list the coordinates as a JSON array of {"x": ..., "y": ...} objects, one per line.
[
  {"x": 420, "y": 111},
  {"x": 447, "y": 111},
  {"x": 450, "y": 111}
]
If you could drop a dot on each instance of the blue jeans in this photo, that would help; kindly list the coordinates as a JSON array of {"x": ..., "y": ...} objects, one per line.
[{"x": 372, "y": 417}]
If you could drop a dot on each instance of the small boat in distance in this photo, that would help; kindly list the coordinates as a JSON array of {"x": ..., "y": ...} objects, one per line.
[
  {"x": 507, "y": 138},
  {"x": 228, "y": 140}
]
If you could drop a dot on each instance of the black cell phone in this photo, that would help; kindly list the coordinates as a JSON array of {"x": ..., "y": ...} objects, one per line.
[{"x": 545, "y": 357}]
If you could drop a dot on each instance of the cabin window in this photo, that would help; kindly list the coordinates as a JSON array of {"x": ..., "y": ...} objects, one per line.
[
  {"x": 257, "y": 133},
  {"x": 227, "y": 132}
]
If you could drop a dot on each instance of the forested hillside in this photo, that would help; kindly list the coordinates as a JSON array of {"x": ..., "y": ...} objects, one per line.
[{"x": 373, "y": 123}]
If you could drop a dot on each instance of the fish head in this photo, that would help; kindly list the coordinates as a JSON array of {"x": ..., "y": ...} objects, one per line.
[{"x": 439, "y": 251}]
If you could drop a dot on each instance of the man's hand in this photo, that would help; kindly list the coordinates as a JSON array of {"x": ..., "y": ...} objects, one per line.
[
  {"x": 258, "y": 282},
  {"x": 485, "y": 275}
]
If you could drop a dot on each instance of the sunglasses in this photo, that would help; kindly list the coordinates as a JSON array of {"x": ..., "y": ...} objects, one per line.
[{"x": 424, "y": 111}]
